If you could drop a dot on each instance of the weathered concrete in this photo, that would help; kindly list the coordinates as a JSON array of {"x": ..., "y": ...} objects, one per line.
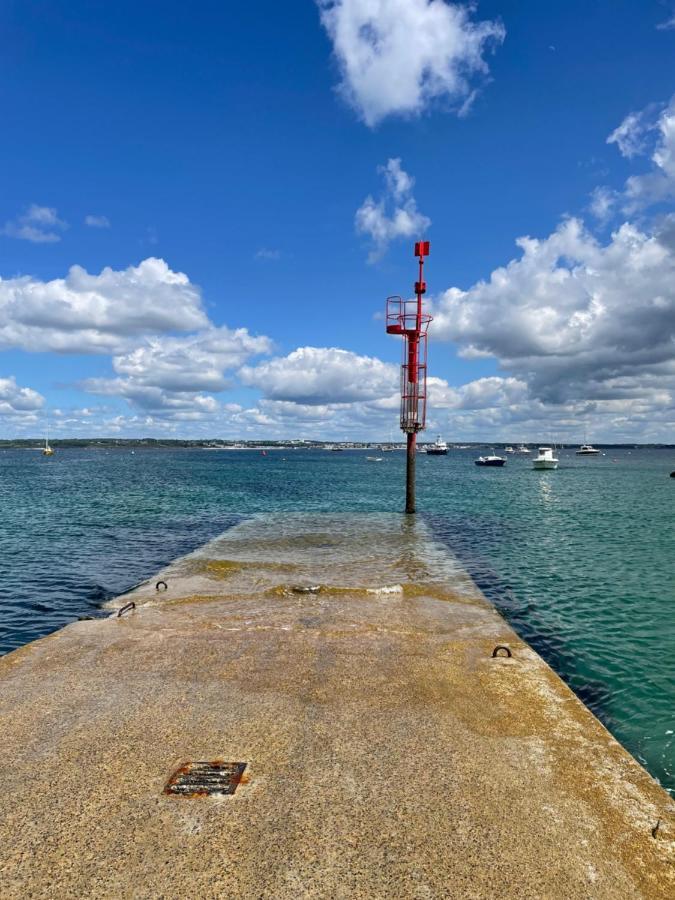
[{"x": 389, "y": 755}]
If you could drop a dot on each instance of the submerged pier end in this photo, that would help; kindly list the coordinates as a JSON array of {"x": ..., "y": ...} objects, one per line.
[{"x": 347, "y": 665}]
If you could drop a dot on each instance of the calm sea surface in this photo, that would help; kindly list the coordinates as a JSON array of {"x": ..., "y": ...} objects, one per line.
[{"x": 581, "y": 560}]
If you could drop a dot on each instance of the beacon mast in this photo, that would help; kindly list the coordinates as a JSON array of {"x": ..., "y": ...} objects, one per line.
[{"x": 406, "y": 318}]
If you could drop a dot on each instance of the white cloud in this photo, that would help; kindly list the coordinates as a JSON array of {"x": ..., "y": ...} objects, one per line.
[
  {"x": 603, "y": 203},
  {"x": 85, "y": 313},
  {"x": 192, "y": 363},
  {"x": 15, "y": 399},
  {"x": 38, "y": 224},
  {"x": 394, "y": 215},
  {"x": 97, "y": 221},
  {"x": 574, "y": 319},
  {"x": 322, "y": 375},
  {"x": 396, "y": 57},
  {"x": 668, "y": 25},
  {"x": 267, "y": 254},
  {"x": 176, "y": 405},
  {"x": 652, "y": 128},
  {"x": 170, "y": 376},
  {"x": 630, "y": 135}
]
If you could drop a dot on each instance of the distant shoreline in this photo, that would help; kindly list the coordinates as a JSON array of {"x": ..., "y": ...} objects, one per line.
[{"x": 37, "y": 443}]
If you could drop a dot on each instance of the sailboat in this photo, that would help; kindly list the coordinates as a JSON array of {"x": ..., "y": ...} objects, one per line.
[{"x": 47, "y": 450}]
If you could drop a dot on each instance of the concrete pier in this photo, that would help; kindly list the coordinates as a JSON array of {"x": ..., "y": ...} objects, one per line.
[{"x": 348, "y": 663}]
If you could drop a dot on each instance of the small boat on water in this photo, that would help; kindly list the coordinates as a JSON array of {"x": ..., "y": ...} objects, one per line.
[
  {"x": 47, "y": 450},
  {"x": 438, "y": 448},
  {"x": 491, "y": 460},
  {"x": 545, "y": 459},
  {"x": 587, "y": 450},
  {"x": 509, "y": 450},
  {"x": 374, "y": 458},
  {"x": 522, "y": 449}
]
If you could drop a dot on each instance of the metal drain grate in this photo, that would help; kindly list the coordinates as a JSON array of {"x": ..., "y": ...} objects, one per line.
[{"x": 206, "y": 779}]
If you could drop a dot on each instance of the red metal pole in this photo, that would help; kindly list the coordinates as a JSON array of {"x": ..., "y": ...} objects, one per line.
[
  {"x": 413, "y": 379},
  {"x": 411, "y": 459}
]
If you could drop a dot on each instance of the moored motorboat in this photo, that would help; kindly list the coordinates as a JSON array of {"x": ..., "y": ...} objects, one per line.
[
  {"x": 438, "y": 448},
  {"x": 545, "y": 459},
  {"x": 587, "y": 450},
  {"x": 492, "y": 460}
]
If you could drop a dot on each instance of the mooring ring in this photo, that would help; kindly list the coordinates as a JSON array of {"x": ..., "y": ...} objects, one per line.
[
  {"x": 126, "y": 608},
  {"x": 495, "y": 652},
  {"x": 166, "y": 586}
]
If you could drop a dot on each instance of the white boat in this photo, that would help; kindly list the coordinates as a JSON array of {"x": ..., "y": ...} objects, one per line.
[
  {"x": 522, "y": 449},
  {"x": 491, "y": 460},
  {"x": 587, "y": 450},
  {"x": 47, "y": 450},
  {"x": 545, "y": 459},
  {"x": 509, "y": 450},
  {"x": 374, "y": 458},
  {"x": 438, "y": 448}
]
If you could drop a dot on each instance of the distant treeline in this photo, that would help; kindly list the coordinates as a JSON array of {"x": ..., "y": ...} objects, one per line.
[{"x": 173, "y": 444}]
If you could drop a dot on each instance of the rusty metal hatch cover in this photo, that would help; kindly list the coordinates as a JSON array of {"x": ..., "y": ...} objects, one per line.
[{"x": 206, "y": 779}]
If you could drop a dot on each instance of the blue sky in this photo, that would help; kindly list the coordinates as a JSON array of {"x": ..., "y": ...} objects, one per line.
[{"x": 239, "y": 145}]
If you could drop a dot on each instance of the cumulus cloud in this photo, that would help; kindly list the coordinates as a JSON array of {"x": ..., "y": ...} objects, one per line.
[
  {"x": 38, "y": 224},
  {"x": 170, "y": 376},
  {"x": 319, "y": 375},
  {"x": 396, "y": 57},
  {"x": 15, "y": 399},
  {"x": 573, "y": 318},
  {"x": 394, "y": 215},
  {"x": 85, "y": 313},
  {"x": 194, "y": 362},
  {"x": 97, "y": 221}
]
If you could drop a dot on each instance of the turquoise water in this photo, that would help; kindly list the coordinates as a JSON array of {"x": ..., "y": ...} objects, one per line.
[{"x": 579, "y": 560}]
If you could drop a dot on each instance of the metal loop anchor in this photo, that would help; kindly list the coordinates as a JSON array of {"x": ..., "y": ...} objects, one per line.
[
  {"x": 126, "y": 608},
  {"x": 166, "y": 586},
  {"x": 495, "y": 652}
]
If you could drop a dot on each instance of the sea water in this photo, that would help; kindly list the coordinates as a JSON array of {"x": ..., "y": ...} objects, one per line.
[{"x": 579, "y": 560}]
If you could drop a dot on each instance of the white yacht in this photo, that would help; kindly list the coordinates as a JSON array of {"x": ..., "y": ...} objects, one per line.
[
  {"x": 439, "y": 448},
  {"x": 509, "y": 449},
  {"x": 523, "y": 449},
  {"x": 545, "y": 459},
  {"x": 587, "y": 450}
]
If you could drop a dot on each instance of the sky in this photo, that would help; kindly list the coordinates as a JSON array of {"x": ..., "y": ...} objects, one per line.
[{"x": 204, "y": 207}]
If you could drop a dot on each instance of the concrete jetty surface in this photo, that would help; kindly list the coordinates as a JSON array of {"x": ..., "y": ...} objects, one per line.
[{"x": 348, "y": 662}]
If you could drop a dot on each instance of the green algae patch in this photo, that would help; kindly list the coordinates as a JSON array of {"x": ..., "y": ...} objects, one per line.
[
  {"x": 439, "y": 591},
  {"x": 222, "y": 568}
]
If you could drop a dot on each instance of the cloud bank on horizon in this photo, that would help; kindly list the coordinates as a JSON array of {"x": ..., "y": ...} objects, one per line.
[{"x": 580, "y": 326}]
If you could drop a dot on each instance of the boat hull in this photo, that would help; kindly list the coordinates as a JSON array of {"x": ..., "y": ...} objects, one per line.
[
  {"x": 490, "y": 464},
  {"x": 437, "y": 452},
  {"x": 545, "y": 464}
]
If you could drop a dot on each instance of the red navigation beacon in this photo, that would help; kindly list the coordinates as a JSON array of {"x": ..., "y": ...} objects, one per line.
[{"x": 407, "y": 318}]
